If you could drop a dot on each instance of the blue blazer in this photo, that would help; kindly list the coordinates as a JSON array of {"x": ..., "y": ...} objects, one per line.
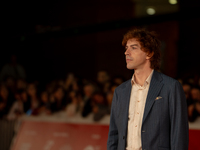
[{"x": 165, "y": 121}]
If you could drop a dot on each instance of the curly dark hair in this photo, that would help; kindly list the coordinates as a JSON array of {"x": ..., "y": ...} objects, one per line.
[{"x": 149, "y": 44}]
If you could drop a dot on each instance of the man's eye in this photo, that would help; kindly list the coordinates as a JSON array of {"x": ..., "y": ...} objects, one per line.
[{"x": 133, "y": 47}]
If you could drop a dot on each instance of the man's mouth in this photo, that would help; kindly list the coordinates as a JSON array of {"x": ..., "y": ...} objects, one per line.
[{"x": 127, "y": 60}]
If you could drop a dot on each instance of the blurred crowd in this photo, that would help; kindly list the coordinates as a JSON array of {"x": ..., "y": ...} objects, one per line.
[
  {"x": 72, "y": 94},
  {"x": 191, "y": 88}
]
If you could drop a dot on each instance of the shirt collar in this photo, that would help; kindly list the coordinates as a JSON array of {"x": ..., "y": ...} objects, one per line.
[{"x": 147, "y": 81}]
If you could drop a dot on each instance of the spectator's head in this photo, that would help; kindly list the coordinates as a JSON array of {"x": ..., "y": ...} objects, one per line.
[
  {"x": 102, "y": 77},
  {"x": 98, "y": 98},
  {"x": 44, "y": 97},
  {"x": 75, "y": 86},
  {"x": 112, "y": 89},
  {"x": 18, "y": 95},
  {"x": 109, "y": 98},
  {"x": 4, "y": 92},
  {"x": 195, "y": 93},
  {"x": 148, "y": 42},
  {"x": 58, "y": 93},
  {"x": 186, "y": 89},
  {"x": 21, "y": 84},
  {"x": 73, "y": 95},
  {"x": 118, "y": 80},
  {"x": 31, "y": 90},
  {"x": 69, "y": 81},
  {"x": 24, "y": 96},
  {"x": 88, "y": 90},
  {"x": 70, "y": 77},
  {"x": 51, "y": 86},
  {"x": 109, "y": 95}
]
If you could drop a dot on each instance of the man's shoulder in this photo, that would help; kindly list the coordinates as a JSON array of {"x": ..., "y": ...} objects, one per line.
[
  {"x": 167, "y": 79},
  {"x": 124, "y": 85}
]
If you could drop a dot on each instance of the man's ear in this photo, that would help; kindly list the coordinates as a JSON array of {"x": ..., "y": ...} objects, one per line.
[{"x": 149, "y": 55}]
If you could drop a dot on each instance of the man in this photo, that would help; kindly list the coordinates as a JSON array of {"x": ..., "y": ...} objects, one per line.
[{"x": 149, "y": 112}]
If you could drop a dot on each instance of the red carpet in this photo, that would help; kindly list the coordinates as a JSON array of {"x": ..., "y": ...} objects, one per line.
[
  {"x": 194, "y": 139},
  {"x": 65, "y": 136},
  {"x": 61, "y": 136}
]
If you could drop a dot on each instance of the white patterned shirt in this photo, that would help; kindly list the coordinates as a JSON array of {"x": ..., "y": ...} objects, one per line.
[{"x": 136, "y": 111}]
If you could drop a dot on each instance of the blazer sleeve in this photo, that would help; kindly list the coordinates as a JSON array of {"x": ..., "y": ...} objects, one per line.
[
  {"x": 112, "y": 142},
  {"x": 178, "y": 118}
]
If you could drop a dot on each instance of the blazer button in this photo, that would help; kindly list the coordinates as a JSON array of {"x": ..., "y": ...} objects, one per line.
[
  {"x": 143, "y": 131},
  {"x": 123, "y": 137}
]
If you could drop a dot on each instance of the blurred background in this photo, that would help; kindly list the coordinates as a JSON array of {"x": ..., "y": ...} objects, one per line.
[{"x": 63, "y": 59}]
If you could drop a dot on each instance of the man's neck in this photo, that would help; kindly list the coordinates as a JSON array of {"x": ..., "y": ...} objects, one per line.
[{"x": 142, "y": 75}]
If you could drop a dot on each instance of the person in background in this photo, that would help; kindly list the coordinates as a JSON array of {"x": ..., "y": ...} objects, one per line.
[
  {"x": 26, "y": 101},
  {"x": 76, "y": 104},
  {"x": 50, "y": 87},
  {"x": 45, "y": 105},
  {"x": 187, "y": 91},
  {"x": 69, "y": 81},
  {"x": 33, "y": 99},
  {"x": 88, "y": 90},
  {"x": 10, "y": 83},
  {"x": 194, "y": 107},
  {"x": 103, "y": 81},
  {"x": 99, "y": 106},
  {"x": 17, "y": 108},
  {"x": 117, "y": 80},
  {"x": 58, "y": 99},
  {"x": 109, "y": 96},
  {"x": 6, "y": 101},
  {"x": 21, "y": 84}
]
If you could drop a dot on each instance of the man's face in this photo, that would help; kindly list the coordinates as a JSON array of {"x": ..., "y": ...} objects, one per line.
[{"x": 135, "y": 57}]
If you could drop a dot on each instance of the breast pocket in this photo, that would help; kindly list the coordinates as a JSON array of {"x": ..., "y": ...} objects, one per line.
[
  {"x": 159, "y": 105},
  {"x": 156, "y": 111},
  {"x": 160, "y": 100}
]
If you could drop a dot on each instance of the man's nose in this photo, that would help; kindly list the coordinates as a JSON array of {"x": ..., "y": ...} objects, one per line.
[{"x": 126, "y": 52}]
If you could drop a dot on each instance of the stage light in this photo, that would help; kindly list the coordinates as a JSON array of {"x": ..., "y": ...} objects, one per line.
[
  {"x": 151, "y": 11},
  {"x": 173, "y": 2}
]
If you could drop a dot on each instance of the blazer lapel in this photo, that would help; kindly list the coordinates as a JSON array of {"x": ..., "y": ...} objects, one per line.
[
  {"x": 125, "y": 104},
  {"x": 154, "y": 89}
]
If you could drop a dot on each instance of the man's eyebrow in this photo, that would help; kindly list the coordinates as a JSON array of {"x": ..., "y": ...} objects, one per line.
[
  {"x": 135, "y": 45},
  {"x": 132, "y": 45}
]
